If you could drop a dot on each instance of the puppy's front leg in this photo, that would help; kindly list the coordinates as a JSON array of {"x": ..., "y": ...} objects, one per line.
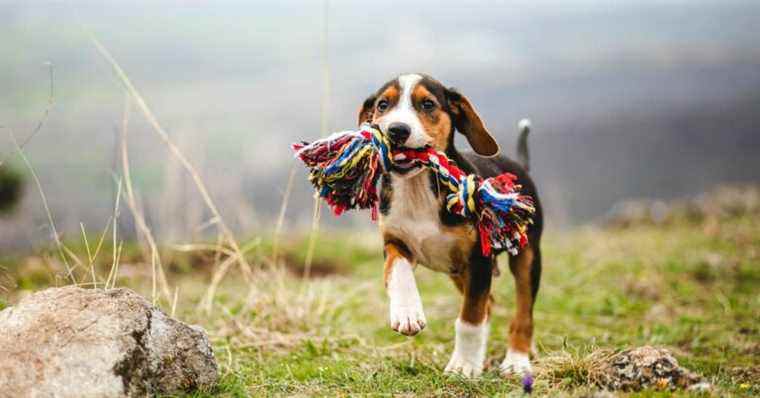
[{"x": 406, "y": 314}]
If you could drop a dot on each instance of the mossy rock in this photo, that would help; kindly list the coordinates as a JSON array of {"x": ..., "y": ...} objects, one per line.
[{"x": 11, "y": 187}]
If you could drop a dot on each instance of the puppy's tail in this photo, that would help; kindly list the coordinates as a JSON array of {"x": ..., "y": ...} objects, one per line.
[{"x": 523, "y": 156}]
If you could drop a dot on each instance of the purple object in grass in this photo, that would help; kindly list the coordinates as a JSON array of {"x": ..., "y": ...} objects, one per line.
[{"x": 527, "y": 383}]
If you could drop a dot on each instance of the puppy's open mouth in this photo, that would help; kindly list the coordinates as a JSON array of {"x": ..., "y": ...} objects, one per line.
[{"x": 403, "y": 163}]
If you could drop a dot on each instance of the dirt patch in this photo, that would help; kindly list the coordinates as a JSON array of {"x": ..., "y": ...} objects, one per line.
[{"x": 320, "y": 268}]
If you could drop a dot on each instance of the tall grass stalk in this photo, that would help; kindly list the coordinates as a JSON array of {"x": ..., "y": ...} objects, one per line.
[
  {"x": 155, "y": 259},
  {"x": 56, "y": 238},
  {"x": 188, "y": 166},
  {"x": 281, "y": 215},
  {"x": 325, "y": 126}
]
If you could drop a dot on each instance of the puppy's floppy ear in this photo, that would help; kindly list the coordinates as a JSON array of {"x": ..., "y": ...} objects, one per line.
[
  {"x": 367, "y": 110},
  {"x": 468, "y": 122}
]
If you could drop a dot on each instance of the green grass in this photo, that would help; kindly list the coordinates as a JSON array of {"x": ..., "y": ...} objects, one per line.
[{"x": 687, "y": 287}]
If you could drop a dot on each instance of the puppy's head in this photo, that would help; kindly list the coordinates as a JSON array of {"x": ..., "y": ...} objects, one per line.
[{"x": 416, "y": 110}]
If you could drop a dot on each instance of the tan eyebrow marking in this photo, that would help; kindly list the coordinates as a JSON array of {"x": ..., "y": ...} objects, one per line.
[
  {"x": 421, "y": 93},
  {"x": 391, "y": 94}
]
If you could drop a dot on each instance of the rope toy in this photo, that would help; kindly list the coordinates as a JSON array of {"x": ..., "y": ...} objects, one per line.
[{"x": 345, "y": 168}]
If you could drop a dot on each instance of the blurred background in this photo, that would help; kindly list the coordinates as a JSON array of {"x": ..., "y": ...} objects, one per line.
[{"x": 629, "y": 99}]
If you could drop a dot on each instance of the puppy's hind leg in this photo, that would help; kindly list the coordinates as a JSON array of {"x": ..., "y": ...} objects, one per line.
[
  {"x": 406, "y": 314},
  {"x": 526, "y": 269},
  {"x": 472, "y": 326}
]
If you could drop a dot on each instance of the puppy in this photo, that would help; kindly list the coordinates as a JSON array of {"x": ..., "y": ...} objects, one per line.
[{"x": 415, "y": 110}]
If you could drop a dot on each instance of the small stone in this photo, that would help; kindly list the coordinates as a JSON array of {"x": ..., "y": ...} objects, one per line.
[{"x": 644, "y": 367}]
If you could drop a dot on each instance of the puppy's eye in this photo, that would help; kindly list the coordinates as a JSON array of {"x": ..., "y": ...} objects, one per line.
[
  {"x": 428, "y": 105},
  {"x": 382, "y": 105}
]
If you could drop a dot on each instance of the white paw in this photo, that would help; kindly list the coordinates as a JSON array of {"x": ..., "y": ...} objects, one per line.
[
  {"x": 462, "y": 365},
  {"x": 469, "y": 349},
  {"x": 406, "y": 313},
  {"x": 407, "y": 319},
  {"x": 515, "y": 364}
]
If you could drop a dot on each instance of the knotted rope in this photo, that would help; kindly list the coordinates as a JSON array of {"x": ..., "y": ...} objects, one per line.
[{"x": 346, "y": 166}]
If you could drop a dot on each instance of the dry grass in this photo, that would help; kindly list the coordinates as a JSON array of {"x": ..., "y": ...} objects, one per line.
[{"x": 224, "y": 230}]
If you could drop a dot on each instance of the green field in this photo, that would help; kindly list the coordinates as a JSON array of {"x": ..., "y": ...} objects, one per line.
[{"x": 692, "y": 288}]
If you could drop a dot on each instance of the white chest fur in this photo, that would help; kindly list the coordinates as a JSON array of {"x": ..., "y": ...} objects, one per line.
[{"x": 414, "y": 219}]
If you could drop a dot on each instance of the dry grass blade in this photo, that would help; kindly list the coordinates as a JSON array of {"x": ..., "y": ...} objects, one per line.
[
  {"x": 281, "y": 216},
  {"x": 312, "y": 236},
  {"x": 155, "y": 260},
  {"x": 115, "y": 219},
  {"x": 325, "y": 121},
  {"x": 45, "y": 113},
  {"x": 195, "y": 247},
  {"x": 102, "y": 239},
  {"x": 115, "y": 267},
  {"x": 245, "y": 267},
  {"x": 89, "y": 255},
  {"x": 20, "y": 150},
  {"x": 70, "y": 253},
  {"x": 208, "y": 299},
  {"x": 59, "y": 245},
  {"x": 174, "y": 301}
]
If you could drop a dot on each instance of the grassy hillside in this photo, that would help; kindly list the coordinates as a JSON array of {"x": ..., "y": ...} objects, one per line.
[{"x": 692, "y": 288}]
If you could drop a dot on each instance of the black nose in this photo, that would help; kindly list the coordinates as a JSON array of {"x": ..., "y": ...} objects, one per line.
[{"x": 398, "y": 132}]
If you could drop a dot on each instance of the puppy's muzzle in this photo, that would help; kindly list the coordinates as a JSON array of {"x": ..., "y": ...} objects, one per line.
[{"x": 399, "y": 132}]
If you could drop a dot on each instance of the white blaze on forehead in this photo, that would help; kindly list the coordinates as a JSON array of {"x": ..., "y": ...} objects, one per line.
[
  {"x": 407, "y": 83},
  {"x": 404, "y": 112}
]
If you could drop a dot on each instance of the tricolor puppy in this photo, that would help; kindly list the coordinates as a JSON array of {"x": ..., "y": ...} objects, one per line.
[{"x": 415, "y": 110}]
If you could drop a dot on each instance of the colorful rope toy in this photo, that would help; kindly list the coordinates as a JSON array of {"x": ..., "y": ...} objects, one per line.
[{"x": 346, "y": 166}]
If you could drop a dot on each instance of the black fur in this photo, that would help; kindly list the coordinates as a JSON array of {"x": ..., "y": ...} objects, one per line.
[
  {"x": 401, "y": 246},
  {"x": 386, "y": 194},
  {"x": 481, "y": 273}
]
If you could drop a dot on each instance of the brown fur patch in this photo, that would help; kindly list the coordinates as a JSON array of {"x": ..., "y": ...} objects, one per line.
[
  {"x": 521, "y": 327},
  {"x": 459, "y": 281},
  {"x": 392, "y": 94},
  {"x": 437, "y": 123},
  {"x": 469, "y": 123},
  {"x": 466, "y": 237},
  {"x": 458, "y": 261},
  {"x": 393, "y": 251},
  {"x": 476, "y": 308}
]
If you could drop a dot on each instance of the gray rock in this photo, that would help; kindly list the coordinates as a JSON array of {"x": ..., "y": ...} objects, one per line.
[
  {"x": 73, "y": 342},
  {"x": 645, "y": 367}
]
